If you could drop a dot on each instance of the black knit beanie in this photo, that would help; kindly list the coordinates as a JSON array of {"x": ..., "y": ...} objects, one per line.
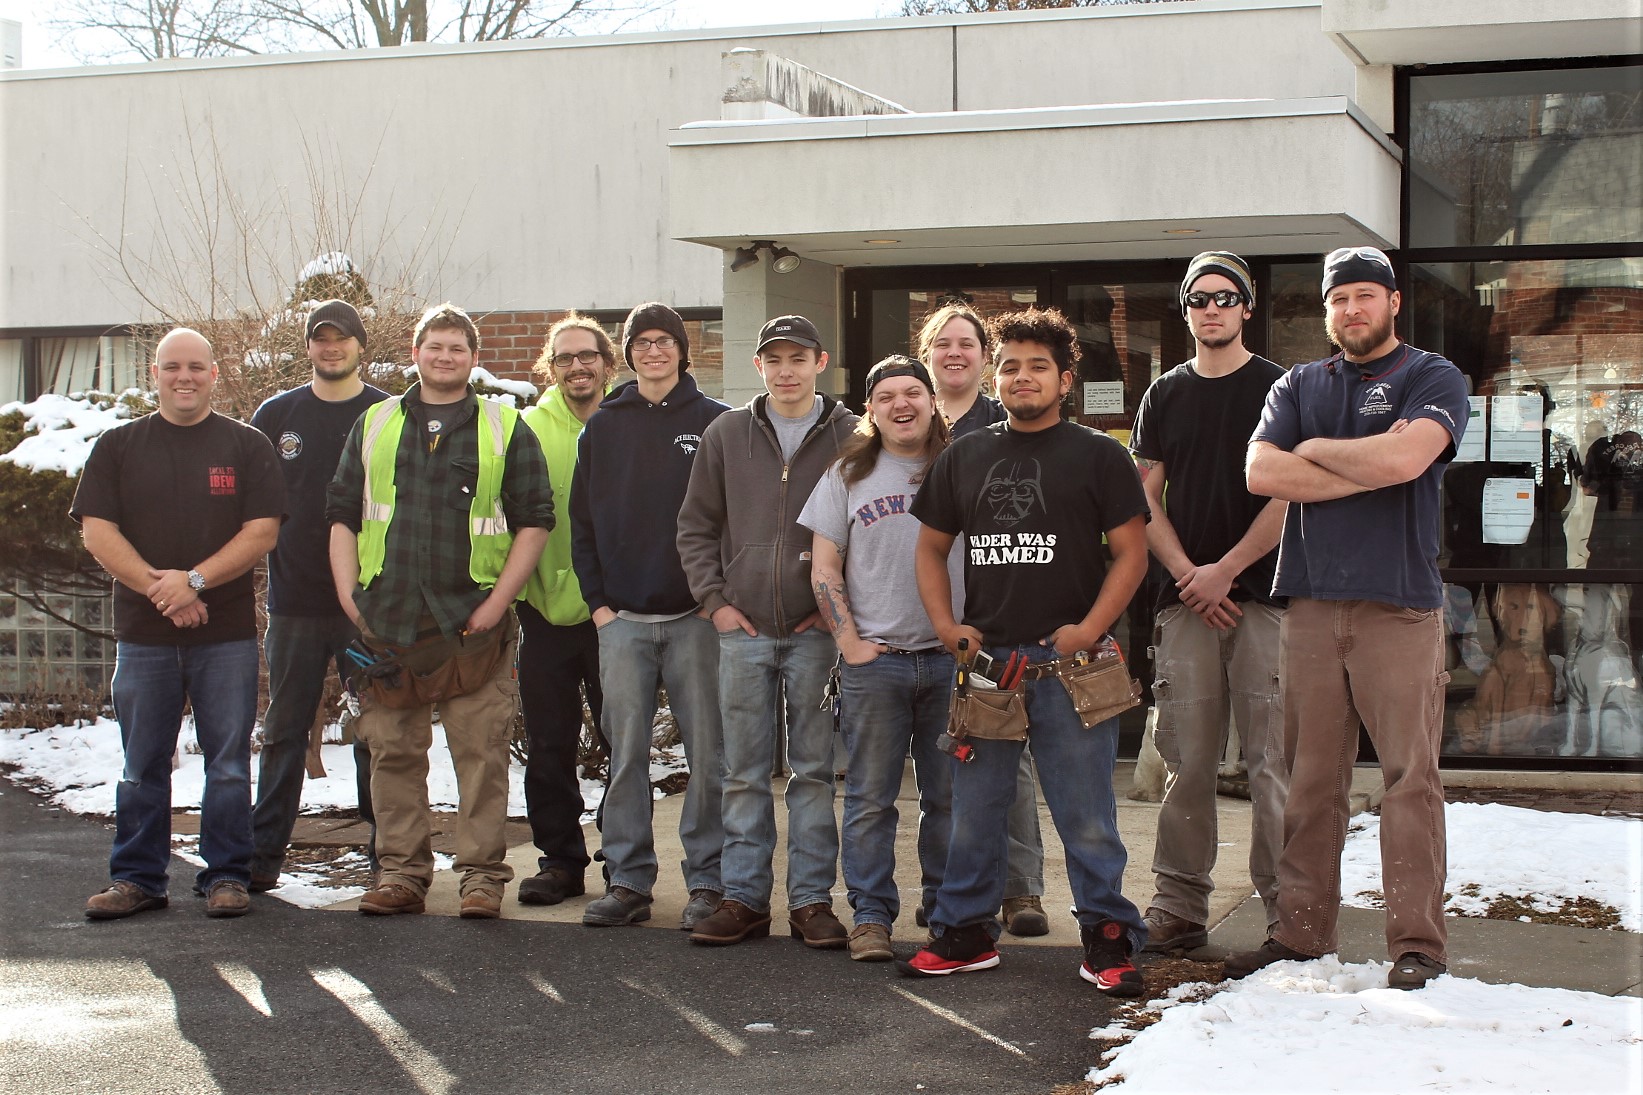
[
  {"x": 339, "y": 314},
  {"x": 1226, "y": 264},
  {"x": 655, "y": 316}
]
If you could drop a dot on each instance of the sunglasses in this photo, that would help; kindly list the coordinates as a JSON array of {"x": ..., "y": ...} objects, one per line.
[
  {"x": 1223, "y": 298},
  {"x": 583, "y": 357}
]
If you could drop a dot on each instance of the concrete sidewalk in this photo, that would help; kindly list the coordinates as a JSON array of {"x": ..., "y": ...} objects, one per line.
[{"x": 1609, "y": 962}]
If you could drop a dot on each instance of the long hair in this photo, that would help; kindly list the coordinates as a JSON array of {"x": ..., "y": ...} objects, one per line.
[
  {"x": 859, "y": 454},
  {"x": 574, "y": 320},
  {"x": 938, "y": 319}
]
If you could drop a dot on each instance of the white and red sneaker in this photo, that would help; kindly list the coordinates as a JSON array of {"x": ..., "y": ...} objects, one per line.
[{"x": 1107, "y": 963}]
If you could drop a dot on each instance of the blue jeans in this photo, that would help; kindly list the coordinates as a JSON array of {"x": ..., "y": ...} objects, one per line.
[
  {"x": 894, "y": 701},
  {"x": 1075, "y": 769},
  {"x": 755, "y": 671},
  {"x": 634, "y": 660},
  {"x": 151, "y": 684},
  {"x": 300, "y": 652}
]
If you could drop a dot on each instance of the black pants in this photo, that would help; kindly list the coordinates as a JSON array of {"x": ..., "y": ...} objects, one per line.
[{"x": 554, "y": 664}]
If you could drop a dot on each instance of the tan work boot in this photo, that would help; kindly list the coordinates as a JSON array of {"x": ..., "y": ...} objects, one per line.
[{"x": 1025, "y": 915}]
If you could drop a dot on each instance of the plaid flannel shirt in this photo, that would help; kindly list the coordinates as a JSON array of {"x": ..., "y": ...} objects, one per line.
[{"x": 425, "y": 570}]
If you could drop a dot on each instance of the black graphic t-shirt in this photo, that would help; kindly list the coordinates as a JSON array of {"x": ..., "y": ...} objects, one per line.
[
  {"x": 307, "y": 433},
  {"x": 1032, "y": 508},
  {"x": 178, "y": 494}
]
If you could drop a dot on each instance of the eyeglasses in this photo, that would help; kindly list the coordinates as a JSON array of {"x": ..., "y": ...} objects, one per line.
[
  {"x": 582, "y": 357},
  {"x": 1223, "y": 298},
  {"x": 666, "y": 342}
]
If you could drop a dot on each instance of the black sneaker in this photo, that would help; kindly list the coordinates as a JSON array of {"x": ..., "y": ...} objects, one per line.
[
  {"x": 1245, "y": 963},
  {"x": 550, "y": 886},
  {"x": 959, "y": 950},
  {"x": 1413, "y": 970},
  {"x": 1107, "y": 963}
]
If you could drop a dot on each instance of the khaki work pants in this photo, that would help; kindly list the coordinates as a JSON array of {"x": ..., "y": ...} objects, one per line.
[{"x": 478, "y": 727}]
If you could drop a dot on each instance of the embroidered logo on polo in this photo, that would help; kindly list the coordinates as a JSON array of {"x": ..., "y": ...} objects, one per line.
[
  {"x": 688, "y": 443},
  {"x": 1376, "y": 399},
  {"x": 290, "y": 446}
]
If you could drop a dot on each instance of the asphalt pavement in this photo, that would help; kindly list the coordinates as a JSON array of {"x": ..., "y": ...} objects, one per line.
[{"x": 294, "y": 1000}]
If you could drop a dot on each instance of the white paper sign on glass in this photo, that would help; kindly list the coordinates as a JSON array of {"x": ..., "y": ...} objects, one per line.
[
  {"x": 1508, "y": 510},
  {"x": 1474, "y": 444},
  {"x": 1514, "y": 429},
  {"x": 1104, "y": 397}
]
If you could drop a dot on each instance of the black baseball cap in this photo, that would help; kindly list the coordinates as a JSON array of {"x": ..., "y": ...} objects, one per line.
[{"x": 789, "y": 329}]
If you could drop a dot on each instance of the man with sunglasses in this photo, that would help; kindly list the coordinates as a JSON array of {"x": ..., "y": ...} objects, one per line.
[
  {"x": 559, "y": 648},
  {"x": 1358, "y": 443},
  {"x": 632, "y": 467},
  {"x": 1216, "y": 636}
]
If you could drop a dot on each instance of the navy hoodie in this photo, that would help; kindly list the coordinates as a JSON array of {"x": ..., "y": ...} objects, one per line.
[{"x": 632, "y": 467}]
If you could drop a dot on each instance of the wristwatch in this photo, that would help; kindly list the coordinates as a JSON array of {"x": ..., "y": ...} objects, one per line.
[{"x": 196, "y": 581}]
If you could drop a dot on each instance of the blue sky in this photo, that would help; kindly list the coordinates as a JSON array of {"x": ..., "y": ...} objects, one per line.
[{"x": 41, "y": 51}]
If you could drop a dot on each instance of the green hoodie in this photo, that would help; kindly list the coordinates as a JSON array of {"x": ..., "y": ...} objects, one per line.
[{"x": 553, "y": 589}]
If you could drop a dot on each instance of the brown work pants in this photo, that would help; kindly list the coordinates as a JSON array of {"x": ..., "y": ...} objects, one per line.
[{"x": 1342, "y": 661}]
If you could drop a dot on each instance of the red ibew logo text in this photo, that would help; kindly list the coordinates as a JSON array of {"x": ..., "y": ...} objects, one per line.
[{"x": 222, "y": 480}]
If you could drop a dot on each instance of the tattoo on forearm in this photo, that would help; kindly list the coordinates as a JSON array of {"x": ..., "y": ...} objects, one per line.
[
  {"x": 837, "y": 607},
  {"x": 1143, "y": 467}
]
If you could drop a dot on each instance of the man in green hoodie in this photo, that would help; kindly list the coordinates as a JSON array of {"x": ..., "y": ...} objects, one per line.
[{"x": 559, "y": 648}]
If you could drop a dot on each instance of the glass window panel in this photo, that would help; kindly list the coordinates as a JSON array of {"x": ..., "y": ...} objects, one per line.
[
  {"x": 1528, "y": 157},
  {"x": 61, "y": 645},
  {"x": 8, "y": 611},
  {"x": 11, "y": 370},
  {"x": 121, "y": 363},
  {"x": 91, "y": 648},
  {"x": 34, "y": 645},
  {"x": 67, "y": 365},
  {"x": 1129, "y": 333},
  {"x": 1543, "y": 670},
  {"x": 1295, "y": 314},
  {"x": 1554, "y": 348},
  {"x": 8, "y": 644},
  {"x": 897, "y": 314},
  {"x": 92, "y": 610}
]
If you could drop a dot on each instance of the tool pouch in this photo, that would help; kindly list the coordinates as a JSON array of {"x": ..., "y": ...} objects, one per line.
[
  {"x": 989, "y": 713},
  {"x": 434, "y": 669},
  {"x": 1099, "y": 688}
]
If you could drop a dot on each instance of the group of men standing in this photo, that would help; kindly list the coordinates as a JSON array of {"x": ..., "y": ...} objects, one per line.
[{"x": 785, "y": 568}]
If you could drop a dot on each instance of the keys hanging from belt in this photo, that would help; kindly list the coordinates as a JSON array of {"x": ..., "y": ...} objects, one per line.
[{"x": 830, "y": 695}]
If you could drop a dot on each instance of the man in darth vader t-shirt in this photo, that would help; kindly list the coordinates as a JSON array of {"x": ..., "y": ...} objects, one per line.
[{"x": 1032, "y": 496}]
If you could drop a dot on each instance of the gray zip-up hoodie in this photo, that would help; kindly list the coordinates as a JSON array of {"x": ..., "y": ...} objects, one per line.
[{"x": 739, "y": 536}]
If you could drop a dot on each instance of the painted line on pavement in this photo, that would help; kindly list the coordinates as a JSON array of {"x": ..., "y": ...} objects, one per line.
[{"x": 959, "y": 1021}]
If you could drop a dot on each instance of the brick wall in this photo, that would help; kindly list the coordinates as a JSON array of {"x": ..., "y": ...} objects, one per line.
[{"x": 511, "y": 342}]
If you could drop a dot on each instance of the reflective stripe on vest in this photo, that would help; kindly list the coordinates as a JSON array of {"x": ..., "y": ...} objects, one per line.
[{"x": 488, "y": 535}]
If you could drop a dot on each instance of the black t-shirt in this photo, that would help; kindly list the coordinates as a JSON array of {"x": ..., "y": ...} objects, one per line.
[
  {"x": 178, "y": 494},
  {"x": 983, "y": 412},
  {"x": 307, "y": 433},
  {"x": 1199, "y": 427},
  {"x": 1033, "y": 508}
]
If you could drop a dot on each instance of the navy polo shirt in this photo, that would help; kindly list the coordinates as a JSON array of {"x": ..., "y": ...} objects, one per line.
[{"x": 1381, "y": 545}]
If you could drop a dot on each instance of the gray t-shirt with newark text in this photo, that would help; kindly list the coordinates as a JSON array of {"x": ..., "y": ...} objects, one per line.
[{"x": 872, "y": 524}]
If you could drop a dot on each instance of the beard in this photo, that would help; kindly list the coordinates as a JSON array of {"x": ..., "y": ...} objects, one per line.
[
  {"x": 328, "y": 371},
  {"x": 1030, "y": 412},
  {"x": 1360, "y": 345},
  {"x": 1225, "y": 338}
]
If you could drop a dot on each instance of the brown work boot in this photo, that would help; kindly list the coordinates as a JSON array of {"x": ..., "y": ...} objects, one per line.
[
  {"x": 817, "y": 926},
  {"x": 870, "y": 943},
  {"x": 389, "y": 900},
  {"x": 481, "y": 905},
  {"x": 1171, "y": 934},
  {"x": 226, "y": 897},
  {"x": 1025, "y": 915},
  {"x": 121, "y": 899},
  {"x": 731, "y": 923}
]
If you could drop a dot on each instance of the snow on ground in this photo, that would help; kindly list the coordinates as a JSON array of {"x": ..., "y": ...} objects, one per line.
[
  {"x": 1325, "y": 1026},
  {"x": 77, "y": 767},
  {"x": 1508, "y": 850}
]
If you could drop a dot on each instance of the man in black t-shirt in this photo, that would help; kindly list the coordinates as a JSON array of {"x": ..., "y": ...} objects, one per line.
[
  {"x": 178, "y": 506},
  {"x": 307, "y": 630},
  {"x": 1216, "y": 635},
  {"x": 1032, "y": 496}
]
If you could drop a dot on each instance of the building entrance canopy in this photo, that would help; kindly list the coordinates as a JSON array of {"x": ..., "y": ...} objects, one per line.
[{"x": 1131, "y": 181}]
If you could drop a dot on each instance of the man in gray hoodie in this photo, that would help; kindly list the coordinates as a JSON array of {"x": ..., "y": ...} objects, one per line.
[{"x": 748, "y": 563}]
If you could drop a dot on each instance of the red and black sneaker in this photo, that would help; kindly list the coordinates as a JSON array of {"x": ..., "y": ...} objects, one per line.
[
  {"x": 1107, "y": 963},
  {"x": 957, "y": 950}
]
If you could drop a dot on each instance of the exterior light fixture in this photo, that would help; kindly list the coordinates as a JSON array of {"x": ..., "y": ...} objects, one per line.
[
  {"x": 782, "y": 260},
  {"x": 1180, "y": 231}
]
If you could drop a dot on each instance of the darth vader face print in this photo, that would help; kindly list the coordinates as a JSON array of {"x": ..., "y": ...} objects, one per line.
[{"x": 1013, "y": 491}]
